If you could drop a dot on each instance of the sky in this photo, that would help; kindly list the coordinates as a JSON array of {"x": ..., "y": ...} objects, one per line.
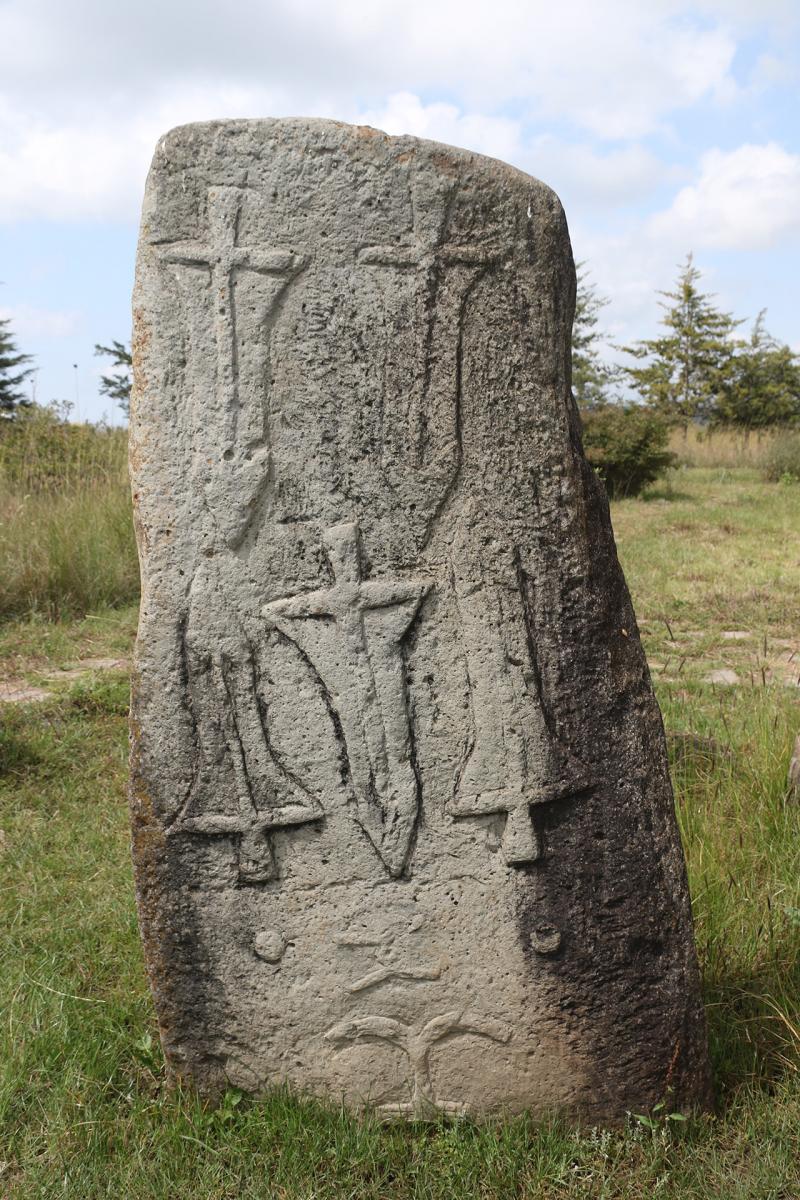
[{"x": 665, "y": 127}]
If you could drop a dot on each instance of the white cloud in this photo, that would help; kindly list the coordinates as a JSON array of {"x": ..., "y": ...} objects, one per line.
[
  {"x": 616, "y": 67},
  {"x": 30, "y": 322},
  {"x": 94, "y": 166},
  {"x": 569, "y": 92},
  {"x": 576, "y": 169},
  {"x": 769, "y": 70},
  {"x": 102, "y": 81},
  {"x": 743, "y": 199},
  {"x": 404, "y": 112},
  {"x": 586, "y": 176}
]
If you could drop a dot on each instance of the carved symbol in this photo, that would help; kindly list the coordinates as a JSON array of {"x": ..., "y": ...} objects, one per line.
[
  {"x": 417, "y": 1044},
  {"x": 432, "y": 199},
  {"x": 387, "y": 958},
  {"x": 256, "y": 860},
  {"x": 388, "y": 954},
  {"x": 241, "y": 453},
  {"x": 421, "y": 434},
  {"x": 224, "y": 693},
  {"x": 546, "y": 940},
  {"x": 278, "y": 797},
  {"x": 385, "y": 971},
  {"x": 352, "y": 634},
  {"x": 269, "y": 945},
  {"x": 513, "y": 761}
]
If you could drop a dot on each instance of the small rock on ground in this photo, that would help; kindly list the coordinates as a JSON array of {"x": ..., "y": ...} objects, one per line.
[
  {"x": 16, "y": 691},
  {"x": 722, "y": 676}
]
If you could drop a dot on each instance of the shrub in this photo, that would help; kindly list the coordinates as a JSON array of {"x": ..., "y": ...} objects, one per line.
[
  {"x": 627, "y": 446},
  {"x": 781, "y": 461}
]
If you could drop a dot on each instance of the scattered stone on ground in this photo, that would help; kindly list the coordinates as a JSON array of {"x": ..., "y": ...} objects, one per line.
[
  {"x": 19, "y": 691},
  {"x": 86, "y": 666},
  {"x": 687, "y": 747},
  {"x": 736, "y": 635},
  {"x": 724, "y": 675}
]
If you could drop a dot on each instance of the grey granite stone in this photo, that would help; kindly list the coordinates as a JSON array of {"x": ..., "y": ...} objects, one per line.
[
  {"x": 403, "y": 828},
  {"x": 793, "y": 782}
]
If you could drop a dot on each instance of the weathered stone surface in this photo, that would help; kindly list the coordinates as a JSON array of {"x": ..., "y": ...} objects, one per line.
[
  {"x": 403, "y": 828},
  {"x": 793, "y": 782}
]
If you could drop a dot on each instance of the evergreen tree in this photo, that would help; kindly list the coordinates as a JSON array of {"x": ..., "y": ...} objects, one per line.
[
  {"x": 684, "y": 371},
  {"x": 590, "y": 375},
  {"x": 117, "y": 386},
  {"x": 763, "y": 386},
  {"x": 13, "y": 372}
]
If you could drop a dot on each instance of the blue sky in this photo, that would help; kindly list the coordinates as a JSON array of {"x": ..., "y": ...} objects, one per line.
[{"x": 664, "y": 126}]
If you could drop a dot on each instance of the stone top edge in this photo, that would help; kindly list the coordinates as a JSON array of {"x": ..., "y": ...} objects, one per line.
[{"x": 355, "y": 134}]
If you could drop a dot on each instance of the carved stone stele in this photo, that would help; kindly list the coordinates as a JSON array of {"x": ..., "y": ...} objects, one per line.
[{"x": 403, "y": 828}]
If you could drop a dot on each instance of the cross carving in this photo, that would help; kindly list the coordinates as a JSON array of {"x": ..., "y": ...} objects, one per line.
[
  {"x": 352, "y": 633},
  {"x": 253, "y": 828},
  {"x": 224, "y": 258},
  {"x": 431, "y": 205},
  {"x": 514, "y": 762},
  {"x": 281, "y": 801},
  {"x": 418, "y": 253}
]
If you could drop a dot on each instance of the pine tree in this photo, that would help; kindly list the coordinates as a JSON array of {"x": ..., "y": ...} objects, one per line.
[
  {"x": 590, "y": 375},
  {"x": 686, "y": 369},
  {"x": 11, "y": 376},
  {"x": 763, "y": 387},
  {"x": 118, "y": 386}
]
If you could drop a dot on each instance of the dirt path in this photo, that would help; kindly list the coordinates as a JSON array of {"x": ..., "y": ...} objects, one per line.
[{"x": 22, "y": 691}]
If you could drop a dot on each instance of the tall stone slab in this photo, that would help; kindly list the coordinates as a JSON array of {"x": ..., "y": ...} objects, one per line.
[{"x": 403, "y": 828}]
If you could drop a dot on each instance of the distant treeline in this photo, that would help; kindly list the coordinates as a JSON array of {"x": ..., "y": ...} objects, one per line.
[{"x": 698, "y": 370}]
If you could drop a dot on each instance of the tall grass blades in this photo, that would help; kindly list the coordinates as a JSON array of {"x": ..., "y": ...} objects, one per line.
[
  {"x": 697, "y": 447},
  {"x": 66, "y": 531},
  {"x": 782, "y": 461}
]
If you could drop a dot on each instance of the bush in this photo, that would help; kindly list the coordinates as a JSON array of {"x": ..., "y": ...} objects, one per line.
[
  {"x": 627, "y": 446},
  {"x": 782, "y": 459}
]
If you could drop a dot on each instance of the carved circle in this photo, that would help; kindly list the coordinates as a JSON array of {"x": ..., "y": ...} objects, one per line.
[
  {"x": 546, "y": 939},
  {"x": 269, "y": 945}
]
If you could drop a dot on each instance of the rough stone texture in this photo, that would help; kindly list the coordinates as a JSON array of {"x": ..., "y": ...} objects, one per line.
[
  {"x": 793, "y": 781},
  {"x": 403, "y": 829}
]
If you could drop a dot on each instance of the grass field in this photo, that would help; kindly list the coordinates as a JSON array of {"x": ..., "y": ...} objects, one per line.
[
  {"x": 66, "y": 537},
  {"x": 84, "y": 1113}
]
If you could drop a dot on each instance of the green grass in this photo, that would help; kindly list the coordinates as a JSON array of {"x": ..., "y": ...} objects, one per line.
[
  {"x": 84, "y": 1112},
  {"x": 29, "y": 648}
]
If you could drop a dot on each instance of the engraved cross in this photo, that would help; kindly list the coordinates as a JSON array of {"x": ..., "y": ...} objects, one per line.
[
  {"x": 441, "y": 274},
  {"x": 253, "y": 828},
  {"x": 352, "y": 633},
  {"x": 224, "y": 258},
  {"x": 281, "y": 802}
]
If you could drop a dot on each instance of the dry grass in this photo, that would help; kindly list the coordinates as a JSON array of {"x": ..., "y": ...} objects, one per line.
[
  {"x": 66, "y": 535},
  {"x": 722, "y": 447}
]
